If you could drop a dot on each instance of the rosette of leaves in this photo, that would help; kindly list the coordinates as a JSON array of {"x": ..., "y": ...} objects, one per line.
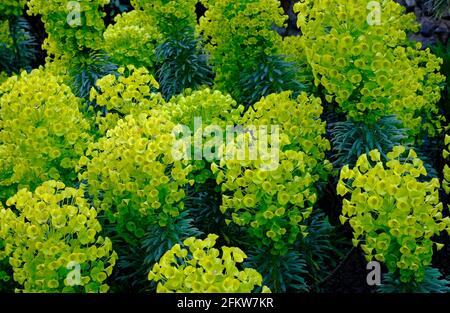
[
  {"x": 42, "y": 132},
  {"x": 350, "y": 139},
  {"x": 197, "y": 266},
  {"x": 142, "y": 184},
  {"x": 322, "y": 250},
  {"x": 52, "y": 242},
  {"x": 182, "y": 63},
  {"x": 135, "y": 261},
  {"x": 86, "y": 68},
  {"x": 17, "y": 45},
  {"x": 281, "y": 273},
  {"x": 393, "y": 213},
  {"x": 440, "y": 7},
  {"x": 370, "y": 69},
  {"x": 273, "y": 74},
  {"x": 271, "y": 194},
  {"x": 433, "y": 282}
]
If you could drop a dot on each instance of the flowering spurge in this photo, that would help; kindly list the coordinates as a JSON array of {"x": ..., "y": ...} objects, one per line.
[
  {"x": 212, "y": 106},
  {"x": 273, "y": 194},
  {"x": 366, "y": 64},
  {"x": 196, "y": 266},
  {"x": 53, "y": 243},
  {"x": 393, "y": 213},
  {"x": 240, "y": 35},
  {"x": 199, "y": 111},
  {"x": 170, "y": 16},
  {"x": 132, "y": 39},
  {"x": 299, "y": 120},
  {"x": 131, "y": 92},
  {"x": 131, "y": 174},
  {"x": 71, "y": 25},
  {"x": 42, "y": 132}
]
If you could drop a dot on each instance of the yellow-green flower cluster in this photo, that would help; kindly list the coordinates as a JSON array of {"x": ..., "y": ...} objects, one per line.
[
  {"x": 131, "y": 174},
  {"x": 446, "y": 154},
  {"x": 54, "y": 234},
  {"x": 132, "y": 39},
  {"x": 371, "y": 70},
  {"x": 239, "y": 32},
  {"x": 300, "y": 125},
  {"x": 198, "y": 267},
  {"x": 212, "y": 106},
  {"x": 275, "y": 200},
  {"x": 131, "y": 92},
  {"x": 171, "y": 16},
  {"x": 393, "y": 212},
  {"x": 71, "y": 25},
  {"x": 42, "y": 133},
  {"x": 11, "y": 7},
  {"x": 214, "y": 109}
]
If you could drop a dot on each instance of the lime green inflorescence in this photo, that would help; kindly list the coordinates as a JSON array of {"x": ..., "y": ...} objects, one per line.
[
  {"x": 171, "y": 16},
  {"x": 42, "y": 132},
  {"x": 132, "y": 39},
  {"x": 142, "y": 184},
  {"x": 371, "y": 70},
  {"x": 132, "y": 92},
  {"x": 51, "y": 233},
  {"x": 196, "y": 266},
  {"x": 274, "y": 203},
  {"x": 394, "y": 214},
  {"x": 240, "y": 32},
  {"x": 71, "y": 25},
  {"x": 212, "y": 106}
]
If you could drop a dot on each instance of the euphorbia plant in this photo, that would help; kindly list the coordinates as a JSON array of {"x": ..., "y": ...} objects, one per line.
[
  {"x": 197, "y": 266},
  {"x": 42, "y": 132},
  {"x": 71, "y": 25},
  {"x": 132, "y": 39},
  {"x": 132, "y": 91},
  {"x": 393, "y": 212},
  {"x": 142, "y": 184},
  {"x": 370, "y": 68},
  {"x": 51, "y": 239},
  {"x": 246, "y": 49},
  {"x": 273, "y": 194}
]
